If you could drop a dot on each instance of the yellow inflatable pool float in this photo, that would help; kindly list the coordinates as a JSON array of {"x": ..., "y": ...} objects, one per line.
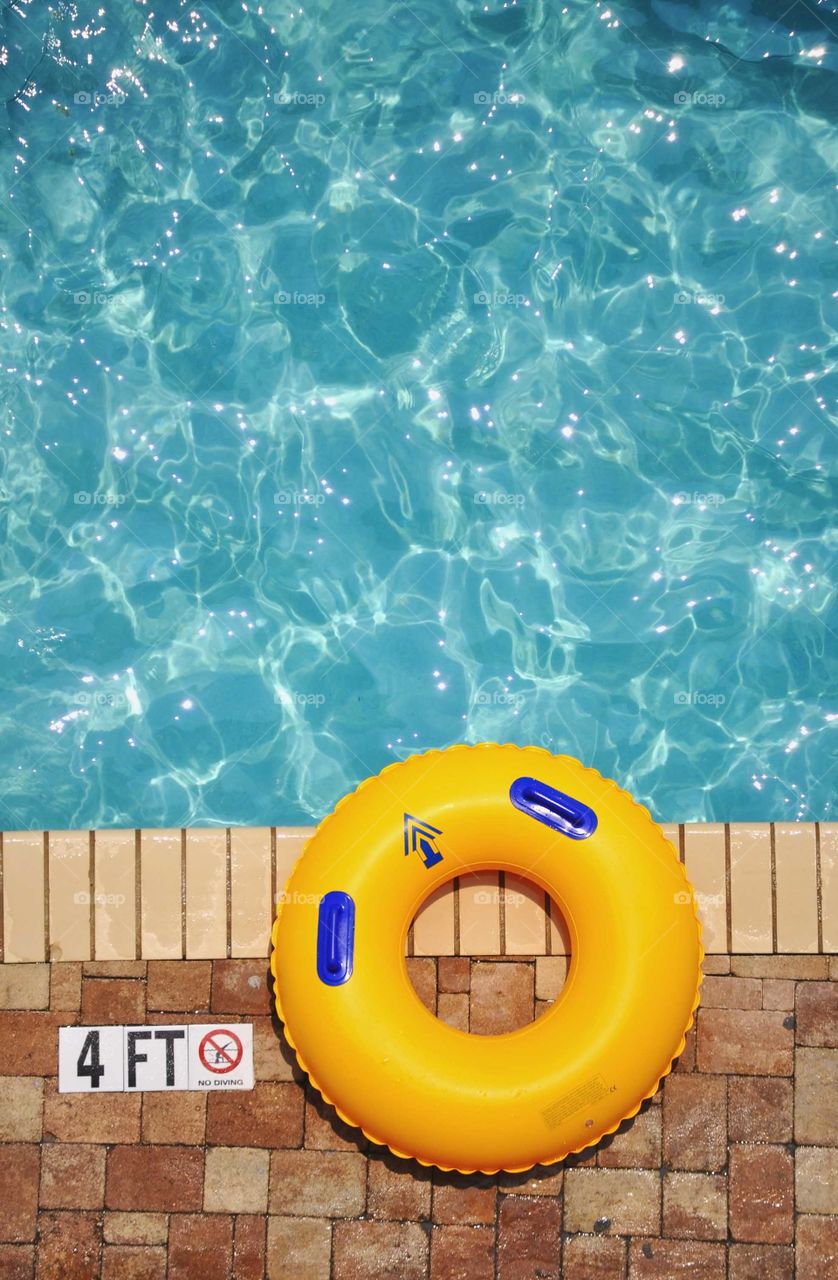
[{"x": 425, "y": 1089}]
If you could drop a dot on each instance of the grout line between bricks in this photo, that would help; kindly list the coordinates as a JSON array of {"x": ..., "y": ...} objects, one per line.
[{"x": 332, "y": 1226}]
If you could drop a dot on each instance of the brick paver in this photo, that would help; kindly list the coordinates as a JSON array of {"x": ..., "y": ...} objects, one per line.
[{"x": 728, "y": 1173}]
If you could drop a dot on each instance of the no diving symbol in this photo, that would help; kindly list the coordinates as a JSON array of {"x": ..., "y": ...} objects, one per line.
[{"x": 220, "y": 1051}]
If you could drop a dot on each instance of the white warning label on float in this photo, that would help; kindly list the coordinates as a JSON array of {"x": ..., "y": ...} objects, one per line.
[{"x": 155, "y": 1059}]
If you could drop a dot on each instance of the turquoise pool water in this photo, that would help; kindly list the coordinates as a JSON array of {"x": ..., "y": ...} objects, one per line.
[{"x": 379, "y": 377}]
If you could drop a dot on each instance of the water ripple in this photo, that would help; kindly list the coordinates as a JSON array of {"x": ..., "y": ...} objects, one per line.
[{"x": 448, "y": 374}]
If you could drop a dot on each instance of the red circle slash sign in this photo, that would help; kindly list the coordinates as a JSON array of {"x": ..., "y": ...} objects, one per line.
[{"x": 220, "y": 1051}]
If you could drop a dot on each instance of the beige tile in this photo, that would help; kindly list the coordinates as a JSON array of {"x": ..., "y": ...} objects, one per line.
[
  {"x": 300, "y": 1247},
  {"x": 24, "y": 986},
  {"x": 318, "y": 1184},
  {"x": 829, "y": 884},
  {"x": 236, "y": 1180},
  {"x": 550, "y": 976},
  {"x": 796, "y": 879},
  {"x": 65, "y": 986},
  {"x": 778, "y": 993},
  {"x": 695, "y": 1205},
  {"x": 290, "y": 842},
  {"x": 479, "y": 914},
  {"x": 433, "y": 928},
  {"x": 160, "y": 907},
  {"x": 750, "y": 887},
  {"x": 622, "y": 1201},
  {"x": 525, "y": 919},
  {"x": 815, "y": 1092},
  {"x": 816, "y": 1179},
  {"x": 115, "y": 904},
  {"x": 704, "y": 848},
  {"x": 559, "y": 932},
  {"x": 69, "y": 895},
  {"x": 206, "y": 893},
  {"x": 136, "y": 1228},
  {"x": 23, "y": 895},
  {"x": 21, "y": 1108},
  {"x": 251, "y": 891}
]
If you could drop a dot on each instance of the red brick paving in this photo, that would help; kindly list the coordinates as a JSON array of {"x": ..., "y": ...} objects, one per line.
[
  {"x": 249, "y": 1247},
  {"x": 200, "y": 1247},
  {"x": 760, "y": 1109},
  {"x": 17, "y": 1261},
  {"x": 727, "y": 1174},
  {"x": 179, "y": 985},
  {"x": 271, "y": 1115},
  {"x": 462, "y": 1253},
  {"x": 112, "y": 1000}
]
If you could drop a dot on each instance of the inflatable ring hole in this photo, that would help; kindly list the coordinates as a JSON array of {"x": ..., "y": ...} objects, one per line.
[{"x": 481, "y": 993}]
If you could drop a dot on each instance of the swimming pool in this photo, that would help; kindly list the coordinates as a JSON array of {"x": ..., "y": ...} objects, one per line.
[{"x": 380, "y": 379}]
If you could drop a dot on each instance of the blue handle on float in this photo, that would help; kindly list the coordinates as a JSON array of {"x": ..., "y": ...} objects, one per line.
[
  {"x": 553, "y": 808},
  {"x": 335, "y": 938}
]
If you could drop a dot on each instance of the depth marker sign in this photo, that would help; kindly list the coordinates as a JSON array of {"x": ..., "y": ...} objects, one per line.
[{"x": 154, "y": 1059}]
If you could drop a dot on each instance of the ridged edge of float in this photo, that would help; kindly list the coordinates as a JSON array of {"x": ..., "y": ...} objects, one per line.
[{"x": 572, "y": 1151}]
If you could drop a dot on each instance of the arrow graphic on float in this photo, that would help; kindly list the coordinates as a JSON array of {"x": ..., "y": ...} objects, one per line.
[{"x": 420, "y": 837}]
